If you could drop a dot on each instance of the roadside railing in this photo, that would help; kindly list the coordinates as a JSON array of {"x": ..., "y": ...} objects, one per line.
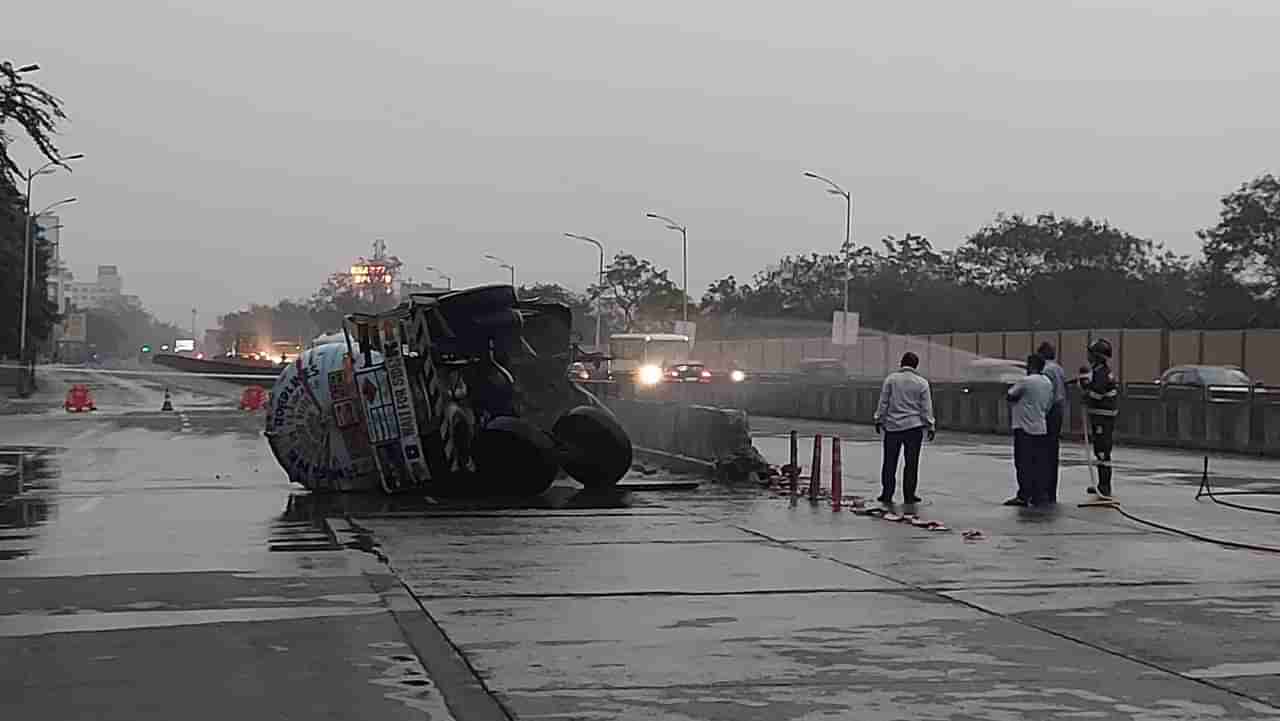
[{"x": 1228, "y": 418}]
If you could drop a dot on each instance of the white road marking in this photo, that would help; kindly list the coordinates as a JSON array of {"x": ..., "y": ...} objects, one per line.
[
  {"x": 89, "y": 505},
  {"x": 39, "y": 624}
]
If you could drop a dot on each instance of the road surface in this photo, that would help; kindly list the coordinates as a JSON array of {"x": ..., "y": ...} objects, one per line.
[{"x": 159, "y": 566}]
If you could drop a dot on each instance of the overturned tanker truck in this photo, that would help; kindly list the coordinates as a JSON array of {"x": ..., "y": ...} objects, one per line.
[{"x": 460, "y": 392}]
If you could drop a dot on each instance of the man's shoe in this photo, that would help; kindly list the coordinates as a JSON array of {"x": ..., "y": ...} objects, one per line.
[
  {"x": 1091, "y": 489},
  {"x": 885, "y": 501},
  {"x": 1015, "y": 501},
  {"x": 913, "y": 499}
]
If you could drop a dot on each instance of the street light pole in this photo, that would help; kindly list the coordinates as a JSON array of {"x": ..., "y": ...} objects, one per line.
[
  {"x": 448, "y": 280},
  {"x": 28, "y": 261},
  {"x": 599, "y": 278},
  {"x": 28, "y": 219},
  {"x": 835, "y": 189},
  {"x": 684, "y": 242},
  {"x": 504, "y": 264}
]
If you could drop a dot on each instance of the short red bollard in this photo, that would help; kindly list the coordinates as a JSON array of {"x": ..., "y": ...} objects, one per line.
[
  {"x": 254, "y": 398},
  {"x": 815, "y": 473},
  {"x": 837, "y": 480},
  {"x": 79, "y": 399}
]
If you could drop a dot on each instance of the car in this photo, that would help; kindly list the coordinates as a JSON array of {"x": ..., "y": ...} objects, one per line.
[
  {"x": 1205, "y": 375},
  {"x": 994, "y": 370},
  {"x": 690, "y": 372}
]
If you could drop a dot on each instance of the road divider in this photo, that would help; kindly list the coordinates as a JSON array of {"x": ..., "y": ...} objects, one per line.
[{"x": 715, "y": 439}]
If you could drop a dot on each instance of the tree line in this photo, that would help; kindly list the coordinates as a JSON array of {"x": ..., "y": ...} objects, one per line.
[
  {"x": 1021, "y": 272},
  {"x": 1018, "y": 272}
]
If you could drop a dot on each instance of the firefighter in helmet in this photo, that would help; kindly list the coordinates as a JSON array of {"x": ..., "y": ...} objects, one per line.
[{"x": 1100, "y": 394}]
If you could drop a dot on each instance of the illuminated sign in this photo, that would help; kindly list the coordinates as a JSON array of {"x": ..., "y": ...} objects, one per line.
[
  {"x": 183, "y": 344},
  {"x": 364, "y": 274}
]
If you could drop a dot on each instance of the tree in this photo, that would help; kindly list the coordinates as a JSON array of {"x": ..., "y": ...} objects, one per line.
[
  {"x": 339, "y": 297},
  {"x": 1064, "y": 272},
  {"x": 583, "y": 308},
  {"x": 288, "y": 320},
  {"x": 642, "y": 294},
  {"x": 36, "y": 113},
  {"x": 1243, "y": 250}
]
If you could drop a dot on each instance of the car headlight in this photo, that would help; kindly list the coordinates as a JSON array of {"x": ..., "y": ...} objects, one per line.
[
  {"x": 650, "y": 375},
  {"x": 737, "y": 376}
]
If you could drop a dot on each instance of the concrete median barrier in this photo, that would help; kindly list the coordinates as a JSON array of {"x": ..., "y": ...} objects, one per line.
[
  {"x": 1237, "y": 420},
  {"x": 704, "y": 437}
]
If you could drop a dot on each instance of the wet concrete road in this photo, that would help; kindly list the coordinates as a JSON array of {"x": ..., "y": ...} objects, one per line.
[
  {"x": 159, "y": 566},
  {"x": 729, "y": 604}
]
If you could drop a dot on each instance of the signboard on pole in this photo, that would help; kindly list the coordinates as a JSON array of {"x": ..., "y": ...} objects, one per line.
[
  {"x": 844, "y": 328},
  {"x": 73, "y": 328}
]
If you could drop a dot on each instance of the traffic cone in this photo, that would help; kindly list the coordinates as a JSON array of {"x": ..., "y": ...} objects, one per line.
[{"x": 168, "y": 404}]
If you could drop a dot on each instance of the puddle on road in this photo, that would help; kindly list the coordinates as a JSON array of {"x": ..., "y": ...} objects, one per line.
[{"x": 26, "y": 476}]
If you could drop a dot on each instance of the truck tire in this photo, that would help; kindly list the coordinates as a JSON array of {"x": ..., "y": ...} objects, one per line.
[
  {"x": 593, "y": 447},
  {"x": 514, "y": 457}
]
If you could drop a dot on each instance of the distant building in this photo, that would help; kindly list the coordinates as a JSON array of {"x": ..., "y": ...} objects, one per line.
[{"x": 105, "y": 291}]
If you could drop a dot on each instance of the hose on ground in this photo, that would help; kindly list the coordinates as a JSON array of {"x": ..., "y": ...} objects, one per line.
[{"x": 1206, "y": 490}]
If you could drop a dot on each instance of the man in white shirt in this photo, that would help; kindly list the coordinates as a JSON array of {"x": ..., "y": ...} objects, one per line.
[
  {"x": 1057, "y": 412},
  {"x": 905, "y": 415},
  {"x": 1030, "y": 400}
]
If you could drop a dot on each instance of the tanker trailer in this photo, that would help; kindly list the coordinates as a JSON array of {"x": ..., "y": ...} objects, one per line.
[{"x": 451, "y": 392}]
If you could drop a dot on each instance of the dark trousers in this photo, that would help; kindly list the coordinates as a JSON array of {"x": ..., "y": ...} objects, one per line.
[
  {"x": 1054, "y": 452},
  {"x": 1030, "y": 458},
  {"x": 894, "y": 443},
  {"x": 1101, "y": 431}
]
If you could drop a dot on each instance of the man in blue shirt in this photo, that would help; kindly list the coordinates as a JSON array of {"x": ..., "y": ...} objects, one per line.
[
  {"x": 905, "y": 415},
  {"x": 1054, "y": 420},
  {"x": 1030, "y": 400}
]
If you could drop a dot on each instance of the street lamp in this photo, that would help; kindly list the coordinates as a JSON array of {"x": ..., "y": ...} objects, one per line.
[
  {"x": 599, "y": 278},
  {"x": 448, "y": 279},
  {"x": 27, "y": 218},
  {"x": 504, "y": 264},
  {"x": 684, "y": 240},
  {"x": 835, "y": 189}
]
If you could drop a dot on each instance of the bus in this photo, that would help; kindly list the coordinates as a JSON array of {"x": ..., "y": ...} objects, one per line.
[{"x": 644, "y": 356}]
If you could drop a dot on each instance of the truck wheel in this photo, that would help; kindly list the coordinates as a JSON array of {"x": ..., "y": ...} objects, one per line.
[
  {"x": 514, "y": 457},
  {"x": 594, "y": 448}
]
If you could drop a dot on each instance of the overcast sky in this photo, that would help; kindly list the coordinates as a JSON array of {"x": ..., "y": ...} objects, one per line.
[{"x": 240, "y": 151}]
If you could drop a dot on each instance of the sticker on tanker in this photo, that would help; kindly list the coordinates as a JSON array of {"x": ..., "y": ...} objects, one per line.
[{"x": 316, "y": 431}]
